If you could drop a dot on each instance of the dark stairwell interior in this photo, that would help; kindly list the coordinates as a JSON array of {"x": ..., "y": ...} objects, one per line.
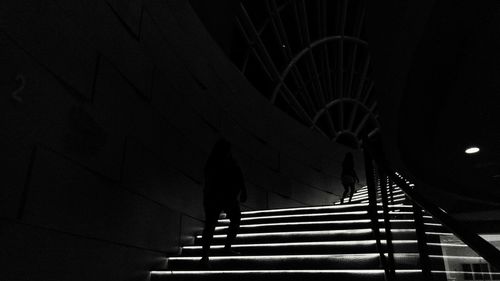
[
  {"x": 338, "y": 242},
  {"x": 110, "y": 109}
]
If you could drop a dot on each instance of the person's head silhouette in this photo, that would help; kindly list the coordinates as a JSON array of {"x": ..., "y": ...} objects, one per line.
[{"x": 221, "y": 150}]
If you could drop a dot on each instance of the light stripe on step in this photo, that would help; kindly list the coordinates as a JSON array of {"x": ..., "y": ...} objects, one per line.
[
  {"x": 313, "y": 223},
  {"x": 433, "y": 224},
  {"x": 330, "y": 207},
  {"x": 439, "y": 233},
  {"x": 447, "y": 245},
  {"x": 329, "y": 271},
  {"x": 468, "y": 258},
  {"x": 294, "y": 257},
  {"x": 297, "y": 223},
  {"x": 281, "y": 257},
  {"x": 311, "y": 233},
  {"x": 293, "y": 233},
  {"x": 300, "y": 216},
  {"x": 324, "y": 243}
]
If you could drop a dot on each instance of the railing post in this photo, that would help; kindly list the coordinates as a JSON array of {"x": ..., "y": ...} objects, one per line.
[
  {"x": 372, "y": 210},
  {"x": 391, "y": 190},
  {"x": 387, "y": 223},
  {"x": 422, "y": 243}
]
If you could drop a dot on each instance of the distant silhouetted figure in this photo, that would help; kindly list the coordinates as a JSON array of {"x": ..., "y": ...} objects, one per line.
[
  {"x": 348, "y": 176},
  {"x": 223, "y": 183}
]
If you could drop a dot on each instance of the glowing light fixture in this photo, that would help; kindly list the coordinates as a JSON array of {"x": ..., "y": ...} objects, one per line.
[{"x": 472, "y": 150}]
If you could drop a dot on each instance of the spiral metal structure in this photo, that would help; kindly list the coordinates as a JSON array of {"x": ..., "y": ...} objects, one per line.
[{"x": 309, "y": 59}]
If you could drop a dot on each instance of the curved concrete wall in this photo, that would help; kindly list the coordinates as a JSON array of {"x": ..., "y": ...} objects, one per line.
[{"x": 110, "y": 110}]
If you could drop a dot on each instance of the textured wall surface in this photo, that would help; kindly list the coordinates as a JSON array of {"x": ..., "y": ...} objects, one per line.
[{"x": 109, "y": 110}]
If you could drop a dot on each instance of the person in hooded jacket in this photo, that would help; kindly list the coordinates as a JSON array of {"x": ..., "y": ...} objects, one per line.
[
  {"x": 223, "y": 184},
  {"x": 348, "y": 176}
]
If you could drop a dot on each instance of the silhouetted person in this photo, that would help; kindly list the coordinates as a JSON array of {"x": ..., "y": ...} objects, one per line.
[
  {"x": 348, "y": 176},
  {"x": 223, "y": 183}
]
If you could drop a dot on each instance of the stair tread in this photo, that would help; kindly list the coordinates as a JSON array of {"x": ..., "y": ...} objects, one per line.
[
  {"x": 332, "y": 242},
  {"x": 252, "y": 275}
]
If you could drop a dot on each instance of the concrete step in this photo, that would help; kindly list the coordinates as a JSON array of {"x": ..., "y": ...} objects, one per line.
[
  {"x": 302, "y": 248},
  {"x": 353, "y": 261},
  {"x": 286, "y": 275},
  {"x": 307, "y": 236},
  {"x": 327, "y": 216},
  {"x": 322, "y": 225},
  {"x": 290, "y": 262},
  {"x": 351, "y": 207},
  {"x": 332, "y": 242}
]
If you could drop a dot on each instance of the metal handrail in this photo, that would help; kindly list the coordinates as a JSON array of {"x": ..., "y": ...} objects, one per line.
[
  {"x": 373, "y": 213},
  {"x": 391, "y": 264},
  {"x": 483, "y": 248},
  {"x": 489, "y": 252}
]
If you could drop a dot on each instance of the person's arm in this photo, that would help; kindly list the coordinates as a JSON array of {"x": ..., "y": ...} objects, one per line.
[{"x": 355, "y": 176}]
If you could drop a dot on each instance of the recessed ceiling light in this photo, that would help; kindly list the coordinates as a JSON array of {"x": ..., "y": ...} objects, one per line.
[{"x": 472, "y": 150}]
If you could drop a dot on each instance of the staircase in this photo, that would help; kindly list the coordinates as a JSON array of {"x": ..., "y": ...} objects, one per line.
[{"x": 333, "y": 242}]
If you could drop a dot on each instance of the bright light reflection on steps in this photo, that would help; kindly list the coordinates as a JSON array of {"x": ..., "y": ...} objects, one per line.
[
  {"x": 319, "y": 232},
  {"x": 478, "y": 259},
  {"x": 279, "y": 257},
  {"x": 292, "y": 233},
  {"x": 300, "y": 215},
  {"x": 400, "y": 205},
  {"x": 439, "y": 233},
  {"x": 314, "y": 223},
  {"x": 329, "y": 210},
  {"x": 319, "y": 215},
  {"x": 396, "y": 213},
  {"x": 447, "y": 245},
  {"x": 323, "y": 243},
  {"x": 210, "y": 272},
  {"x": 311, "y": 256},
  {"x": 297, "y": 223},
  {"x": 433, "y": 224},
  {"x": 328, "y": 207}
]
